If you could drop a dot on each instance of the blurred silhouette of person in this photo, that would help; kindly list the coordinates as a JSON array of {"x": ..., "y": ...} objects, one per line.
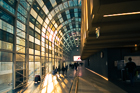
[
  {"x": 75, "y": 66},
  {"x": 56, "y": 70},
  {"x": 59, "y": 69},
  {"x": 66, "y": 68},
  {"x": 131, "y": 69},
  {"x": 63, "y": 69}
]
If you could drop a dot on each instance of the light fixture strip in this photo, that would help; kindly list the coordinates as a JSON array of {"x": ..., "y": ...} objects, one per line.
[{"x": 121, "y": 14}]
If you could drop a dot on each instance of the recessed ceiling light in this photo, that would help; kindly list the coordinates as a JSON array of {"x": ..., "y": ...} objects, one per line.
[{"x": 136, "y": 45}]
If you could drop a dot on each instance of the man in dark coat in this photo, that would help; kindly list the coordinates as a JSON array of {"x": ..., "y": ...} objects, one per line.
[{"x": 131, "y": 68}]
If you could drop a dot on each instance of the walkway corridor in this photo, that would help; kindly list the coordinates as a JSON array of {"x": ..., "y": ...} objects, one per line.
[
  {"x": 92, "y": 83},
  {"x": 53, "y": 83},
  {"x": 88, "y": 82}
]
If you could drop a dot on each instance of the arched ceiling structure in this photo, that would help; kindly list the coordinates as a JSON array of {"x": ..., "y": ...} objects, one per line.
[{"x": 60, "y": 20}]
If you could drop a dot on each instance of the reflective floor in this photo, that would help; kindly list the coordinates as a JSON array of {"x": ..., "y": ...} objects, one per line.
[
  {"x": 89, "y": 82},
  {"x": 53, "y": 83},
  {"x": 92, "y": 83}
]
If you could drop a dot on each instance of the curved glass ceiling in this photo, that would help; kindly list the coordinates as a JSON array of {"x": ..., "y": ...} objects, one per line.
[
  {"x": 38, "y": 34},
  {"x": 58, "y": 20}
]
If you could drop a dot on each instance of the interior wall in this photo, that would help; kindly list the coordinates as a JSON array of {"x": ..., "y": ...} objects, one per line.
[
  {"x": 97, "y": 63},
  {"x": 114, "y": 55},
  {"x": 117, "y": 54},
  {"x": 106, "y": 65}
]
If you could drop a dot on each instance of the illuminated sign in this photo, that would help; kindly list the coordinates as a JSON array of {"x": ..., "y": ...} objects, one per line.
[{"x": 77, "y": 58}]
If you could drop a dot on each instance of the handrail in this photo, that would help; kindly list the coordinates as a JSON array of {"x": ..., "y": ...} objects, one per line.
[
  {"x": 75, "y": 82},
  {"x": 72, "y": 85},
  {"x": 76, "y": 90}
]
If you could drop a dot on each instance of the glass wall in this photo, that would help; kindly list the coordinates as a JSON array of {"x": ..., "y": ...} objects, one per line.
[
  {"x": 37, "y": 65},
  {"x": 31, "y": 71},
  {"x": 31, "y": 68},
  {"x": 6, "y": 47},
  {"x": 5, "y": 75},
  {"x": 35, "y": 46}
]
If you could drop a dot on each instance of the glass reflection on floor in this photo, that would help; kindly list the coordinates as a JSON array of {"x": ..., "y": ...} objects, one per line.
[{"x": 54, "y": 84}]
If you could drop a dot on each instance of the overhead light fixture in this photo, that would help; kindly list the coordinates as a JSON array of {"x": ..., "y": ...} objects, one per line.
[
  {"x": 136, "y": 47},
  {"x": 121, "y": 14}
]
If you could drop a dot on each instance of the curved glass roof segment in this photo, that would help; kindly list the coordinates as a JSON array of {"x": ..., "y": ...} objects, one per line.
[{"x": 56, "y": 18}]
